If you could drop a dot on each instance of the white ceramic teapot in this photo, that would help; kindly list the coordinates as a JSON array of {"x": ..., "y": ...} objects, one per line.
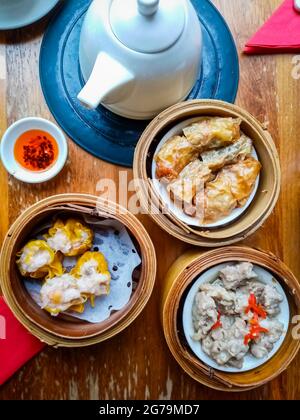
[{"x": 139, "y": 57}]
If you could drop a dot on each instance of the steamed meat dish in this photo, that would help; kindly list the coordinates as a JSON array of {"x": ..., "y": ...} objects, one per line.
[
  {"x": 226, "y": 345},
  {"x": 37, "y": 260},
  {"x": 205, "y": 315},
  {"x": 265, "y": 343},
  {"x": 231, "y": 189},
  {"x": 174, "y": 155},
  {"x": 71, "y": 238},
  {"x": 189, "y": 182},
  {"x": 211, "y": 133},
  {"x": 88, "y": 279},
  {"x": 209, "y": 171},
  {"x": 234, "y": 315},
  {"x": 216, "y": 159},
  {"x": 234, "y": 276}
]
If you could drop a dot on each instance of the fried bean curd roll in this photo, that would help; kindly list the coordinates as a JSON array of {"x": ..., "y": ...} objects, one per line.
[
  {"x": 231, "y": 189},
  {"x": 217, "y": 159},
  {"x": 190, "y": 181},
  {"x": 174, "y": 155},
  {"x": 212, "y": 133}
]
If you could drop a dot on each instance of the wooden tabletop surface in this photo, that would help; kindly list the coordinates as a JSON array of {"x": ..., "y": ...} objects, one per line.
[{"x": 137, "y": 363}]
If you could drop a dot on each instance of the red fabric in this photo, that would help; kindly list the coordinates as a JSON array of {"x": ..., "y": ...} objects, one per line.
[
  {"x": 281, "y": 33},
  {"x": 18, "y": 347}
]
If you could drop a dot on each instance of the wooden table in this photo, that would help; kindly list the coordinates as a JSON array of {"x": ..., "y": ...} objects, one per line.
[{"x": 137, "y": 363}]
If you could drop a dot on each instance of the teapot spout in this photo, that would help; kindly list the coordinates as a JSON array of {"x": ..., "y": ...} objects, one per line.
[{"x": 108, "y": 83}]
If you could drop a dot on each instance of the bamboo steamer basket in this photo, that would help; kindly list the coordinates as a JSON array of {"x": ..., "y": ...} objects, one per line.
[
  {"x": 65, "y": 331},
  {"x": 180, "y": 278},
  {"x": 265, "y": 198}
]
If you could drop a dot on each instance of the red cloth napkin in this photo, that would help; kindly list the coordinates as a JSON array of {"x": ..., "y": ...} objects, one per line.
[
  {"x": 17, "y": 345},
  {"x": 281, "y": 33}
]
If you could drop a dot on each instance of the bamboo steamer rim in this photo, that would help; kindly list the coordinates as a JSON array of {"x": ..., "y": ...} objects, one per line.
[
  {"x": 182, "y": 274},
  {"x": 108, "y": 210},
  {"x": 176, "y": 228}
]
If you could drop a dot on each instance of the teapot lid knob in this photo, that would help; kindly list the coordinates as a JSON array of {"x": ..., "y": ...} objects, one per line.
[
  {"x": 148, "y": 26},
  {"x": 148, "y": 7}
]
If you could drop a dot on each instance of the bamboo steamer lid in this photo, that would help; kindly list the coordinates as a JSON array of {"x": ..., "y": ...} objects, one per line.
[
  {"x": 64, "y": 331},
  {"x": 265, "y": 198},
  {"x": 178, "y": 280}
]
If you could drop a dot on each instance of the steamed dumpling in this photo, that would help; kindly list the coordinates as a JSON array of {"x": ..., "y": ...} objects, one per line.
[
  {"x": 60, "y": 294},
  {"x": 88, "y": 279},
  {"x": 72, "y": 238},
  {"x": 93, "y": 277},
  {"x": 37, "y": 260}
]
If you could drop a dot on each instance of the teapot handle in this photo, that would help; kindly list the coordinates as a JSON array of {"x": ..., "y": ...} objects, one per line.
[{"x": 148, "y": 7}]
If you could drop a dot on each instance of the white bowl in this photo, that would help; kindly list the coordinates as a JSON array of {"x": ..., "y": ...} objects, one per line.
[
  {"x": 250, "y": 362},
  {"x": 8, "y": 143},
  {"x": 176, "y": 210}
]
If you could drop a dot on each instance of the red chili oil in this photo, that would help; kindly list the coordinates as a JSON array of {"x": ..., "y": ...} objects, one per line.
[{"x": 36, "y": 150}]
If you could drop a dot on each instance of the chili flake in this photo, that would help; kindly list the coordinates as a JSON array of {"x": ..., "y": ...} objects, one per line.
[{"x": 36, "y": 150}]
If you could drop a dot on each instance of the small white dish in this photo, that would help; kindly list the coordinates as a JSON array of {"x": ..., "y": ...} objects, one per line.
[
  {"x": 18, "y": 13},
  {"x": 250, "y": 362},
  {"x": 161, "y": 189},
  {"x": 8, "y": 143}
]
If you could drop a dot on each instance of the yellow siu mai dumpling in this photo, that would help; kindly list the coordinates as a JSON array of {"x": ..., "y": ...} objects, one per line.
[
  {"x": 71, "y": 238},
  {"x": 37, "y": 260},
  {"x": 61, "y": 294},
  {"x": 93, "y": 277}
]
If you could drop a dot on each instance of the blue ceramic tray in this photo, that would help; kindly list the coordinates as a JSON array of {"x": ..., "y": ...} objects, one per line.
[{"x": 100, "y": 132}]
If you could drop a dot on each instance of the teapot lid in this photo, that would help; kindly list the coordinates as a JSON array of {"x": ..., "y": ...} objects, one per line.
[{"x": 147, "y": 26}]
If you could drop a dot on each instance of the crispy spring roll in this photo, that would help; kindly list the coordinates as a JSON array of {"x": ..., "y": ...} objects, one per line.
[
  {"x": 216, "y": 159},
  {"x": 174, "y": 155},
  {"x": 190, "y": 181},
  {"x": 231, "y": 189},
  {"x": 214, "y": 132}
]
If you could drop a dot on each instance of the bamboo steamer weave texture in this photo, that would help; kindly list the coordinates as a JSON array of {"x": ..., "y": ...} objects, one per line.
[
  {"x": 265, "y": 198},
  {"x": 64, "y": 331},
  {"x": 181, "y": 276}
]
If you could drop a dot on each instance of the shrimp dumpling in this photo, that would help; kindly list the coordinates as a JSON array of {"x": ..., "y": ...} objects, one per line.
[
  {"x": 37, "y": 260},
  {"x": 92, "y": 275},
  {"x": 60, "y": 294},
  {"x": 71, "y": 238}
]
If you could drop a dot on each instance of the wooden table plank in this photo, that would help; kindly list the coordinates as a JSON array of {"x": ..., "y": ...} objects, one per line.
[
  {"x": 137, "y": 363},
  {"x": 3, "y": 125}
]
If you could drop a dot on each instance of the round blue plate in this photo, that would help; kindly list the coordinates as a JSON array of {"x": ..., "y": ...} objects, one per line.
[{"x": 100, "y": 132}]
